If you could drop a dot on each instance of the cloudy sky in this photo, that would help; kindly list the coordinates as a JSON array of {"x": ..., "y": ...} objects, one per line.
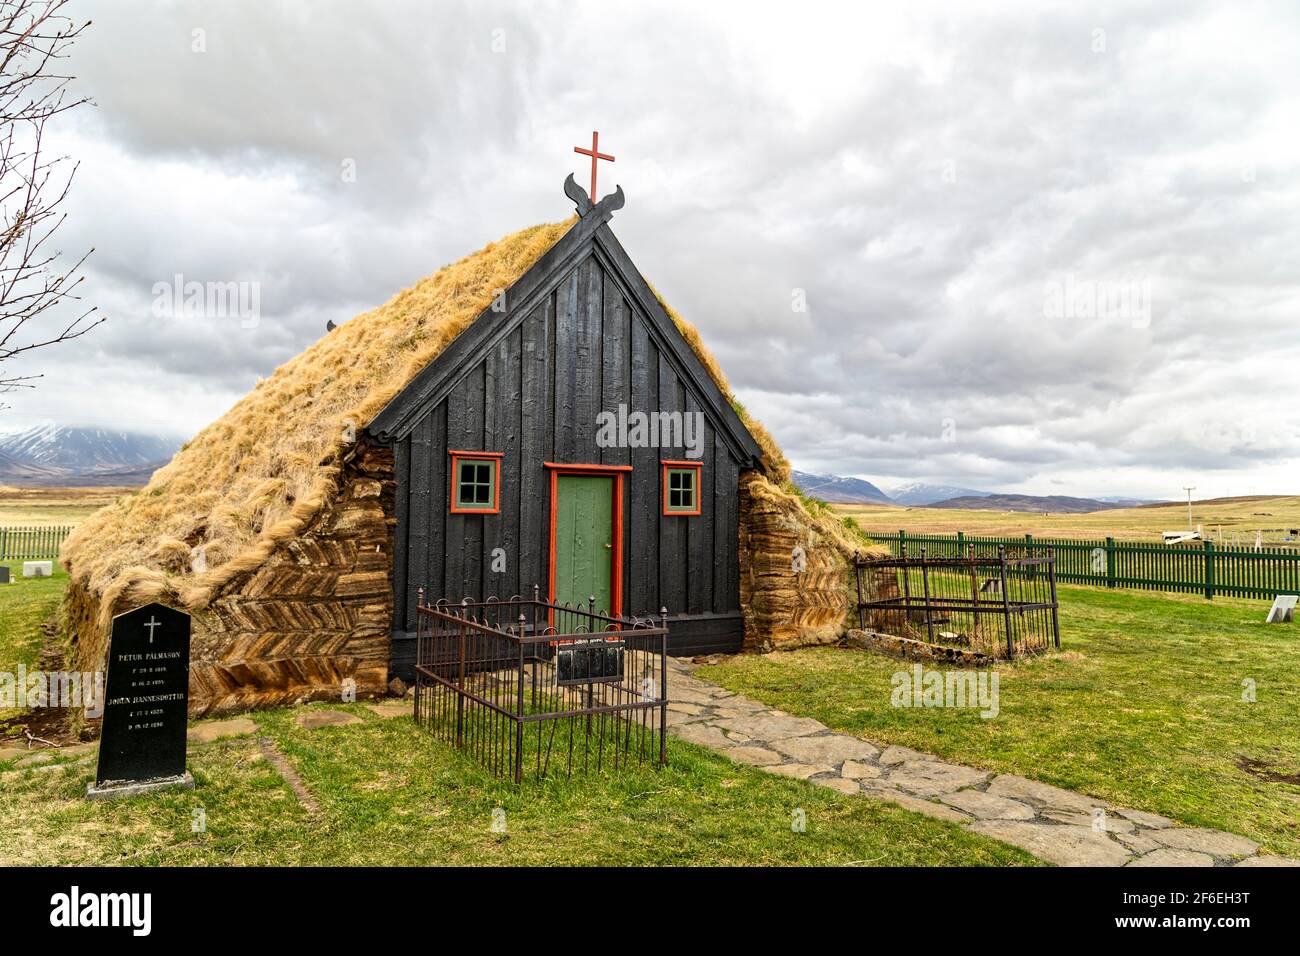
[{"x": 1042, "y": 250}]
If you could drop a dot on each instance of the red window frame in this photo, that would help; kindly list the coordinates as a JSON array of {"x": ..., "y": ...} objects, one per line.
[
  {"x": 699, "y": 485},
  {"x": 457, "y": 457}
]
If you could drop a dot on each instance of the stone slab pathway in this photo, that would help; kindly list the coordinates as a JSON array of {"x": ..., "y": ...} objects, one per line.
[{"x": 1062, "y": 827}]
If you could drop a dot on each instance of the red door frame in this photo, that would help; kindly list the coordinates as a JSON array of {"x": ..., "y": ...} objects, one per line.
[{"x": 617, "y": 472}]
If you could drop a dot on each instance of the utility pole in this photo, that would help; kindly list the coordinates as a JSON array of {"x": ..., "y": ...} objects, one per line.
[{"x": 1189, "y": 489}]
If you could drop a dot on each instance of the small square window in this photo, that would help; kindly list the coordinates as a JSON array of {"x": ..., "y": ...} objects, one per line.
[
  {"x": 475, "y": 483},
  {"x": 681, "y": 488}
]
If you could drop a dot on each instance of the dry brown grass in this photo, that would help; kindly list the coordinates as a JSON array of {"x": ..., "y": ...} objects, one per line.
[
  {"x": 1236, "y": 519},
  {"x": 41, "y": 507},
  {"x": 254, "y": 478}
]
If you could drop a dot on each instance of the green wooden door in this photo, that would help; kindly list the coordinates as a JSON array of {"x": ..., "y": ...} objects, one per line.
[{"x": 584, "y": 539}]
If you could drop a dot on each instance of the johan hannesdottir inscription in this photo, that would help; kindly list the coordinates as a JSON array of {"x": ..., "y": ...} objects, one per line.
[{"x": 142, "y": 740}]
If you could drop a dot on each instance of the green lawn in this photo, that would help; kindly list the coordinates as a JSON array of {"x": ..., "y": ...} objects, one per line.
[
  {"x": 25, "y": 605},
  {"x": 1143, "y": 707},
  {"x": 389, "y": 794}
]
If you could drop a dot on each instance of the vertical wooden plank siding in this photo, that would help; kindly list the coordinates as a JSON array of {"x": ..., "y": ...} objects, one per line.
[{"x": 534, "y": 395}]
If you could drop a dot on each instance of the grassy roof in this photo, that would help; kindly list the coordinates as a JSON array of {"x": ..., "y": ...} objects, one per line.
[{"x": 258, "y": 475}]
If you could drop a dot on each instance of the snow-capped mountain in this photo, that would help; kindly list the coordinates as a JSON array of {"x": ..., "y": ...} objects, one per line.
[
  {"x": 56, "y": 454},
  {"x": 840, "y": 491},
  {"x": 919, "y": 493}
]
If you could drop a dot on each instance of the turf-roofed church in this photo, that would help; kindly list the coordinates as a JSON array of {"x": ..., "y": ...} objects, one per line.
[{"x": 532, "y": 415}]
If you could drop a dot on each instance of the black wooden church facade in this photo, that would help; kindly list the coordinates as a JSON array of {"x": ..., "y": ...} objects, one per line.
[{"x": 502, "y": 482}]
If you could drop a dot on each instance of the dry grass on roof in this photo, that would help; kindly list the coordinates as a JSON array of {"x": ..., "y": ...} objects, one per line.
[{"x": 255, "y": 477}]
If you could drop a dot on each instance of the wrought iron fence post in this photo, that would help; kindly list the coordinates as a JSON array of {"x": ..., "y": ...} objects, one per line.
[
  {"x": 902, "y": 543},
  {"x": 857, "y": 573},
  {"x": 519, "y": 704},
  {"x": 1006, "y": 600},
  {"x": 1110, "y": 561},
  {"x": 663, "y": 688},
  {"x": 419, "y": 649},
  {"x": 460, "y": 685},
  {"x": 1051, "y": 584},
  {"x": 925, "y": 583}
]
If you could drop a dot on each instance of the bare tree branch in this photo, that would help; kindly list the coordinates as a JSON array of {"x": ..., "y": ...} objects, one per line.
[{"x": 34, "y": 278}]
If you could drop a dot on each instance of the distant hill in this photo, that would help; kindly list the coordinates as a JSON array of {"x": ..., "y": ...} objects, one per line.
[
  {"x": 1053, "y": 504},
  {"x": 919, "y": 493},
  {"x": 57, "y": 455},
  {"x": 840, "y": 491}
]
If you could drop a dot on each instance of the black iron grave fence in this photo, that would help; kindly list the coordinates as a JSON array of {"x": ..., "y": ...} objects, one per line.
[
  {"x": 533, "y": 688},
  {"x": 997, "y": 606}
]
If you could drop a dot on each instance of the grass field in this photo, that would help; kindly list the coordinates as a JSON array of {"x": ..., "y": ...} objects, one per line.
[
  {"x": 39, "y": 507},
  {"x": 26, "y": 604},
  {"x": 389, "y": 794},
  {"x": 1239, "y": 517},
  {"x": 1143, "y": 706}
]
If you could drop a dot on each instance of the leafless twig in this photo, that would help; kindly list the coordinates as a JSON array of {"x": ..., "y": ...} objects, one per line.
[{"x": 35, "y": 279}]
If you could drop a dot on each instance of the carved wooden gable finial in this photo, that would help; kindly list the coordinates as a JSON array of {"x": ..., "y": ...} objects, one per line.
[{"x": 585, "y": 202}]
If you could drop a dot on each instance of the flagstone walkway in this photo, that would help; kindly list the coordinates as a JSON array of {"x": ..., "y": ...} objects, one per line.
[{"x": 1062, "y": 827}]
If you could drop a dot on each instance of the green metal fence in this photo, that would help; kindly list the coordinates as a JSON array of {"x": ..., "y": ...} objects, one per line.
[
  {"x": 32, "y": 544},
  {"x": 1197, "y": 568}
]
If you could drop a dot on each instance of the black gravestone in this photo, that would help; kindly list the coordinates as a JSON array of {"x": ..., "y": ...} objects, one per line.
[
  {"x": 146, "y": 696},
  {"x": 4, "y": 574}
]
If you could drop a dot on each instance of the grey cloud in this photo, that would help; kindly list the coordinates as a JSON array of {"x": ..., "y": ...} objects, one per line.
[{"x": 762, "y": 152}]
